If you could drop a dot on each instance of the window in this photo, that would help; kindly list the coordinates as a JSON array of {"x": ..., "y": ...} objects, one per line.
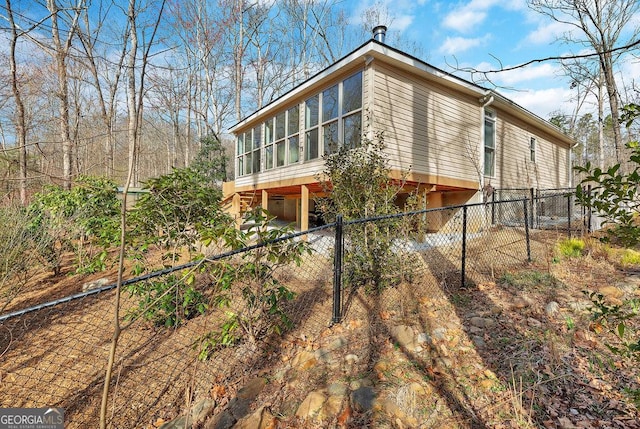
[
  {"x": 311, "y": 108},
  {"x": 532, "y": 149},
  {"x": 293, "y": 125},
  {"x": 489, "y": 143},
  {"x": 255, "y": 154}
]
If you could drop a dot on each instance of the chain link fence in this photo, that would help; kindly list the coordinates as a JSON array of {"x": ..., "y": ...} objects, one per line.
[{"x": 55, "y": 353}]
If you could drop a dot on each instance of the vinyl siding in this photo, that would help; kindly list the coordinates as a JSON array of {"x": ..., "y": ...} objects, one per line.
[
  {"x": 427, "y": 129},
  {"x": 513, "y": 166}
]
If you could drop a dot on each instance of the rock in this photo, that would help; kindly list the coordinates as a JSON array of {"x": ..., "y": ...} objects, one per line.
[
  {"x": 252, "y": 389},
  {"x": 478, "y": 341},
  {"x": 552, "y": 308},
  {"x": 338, "y": 343},
  {"x": 580, "y": 306},
  {"x": 482, "y": 322},
  {"x": 358, "y": 384},
  {"x": 362, "y": 398},
  {"x": 390, "y": 408},
  {"x": 304, "y": 360},
  {"x": 198, "y": 414},
  {"x": 404, "y": 336},
  {"x": 337, "y": 389},
  {"x": 423, "y": 339},
  {"x": 439, "y": 334},
  {"x": 311, "y": 406},
  {"x": 324, "y": 356},
  {"x": 611, "y": 292},
  {"x": 332, "y": 407},
  {"x": 519, "y": 303},
  {"x": 351, "y": 359},
  {"x": 96, "y": 284},
  {"x": 261, "y": 419}
]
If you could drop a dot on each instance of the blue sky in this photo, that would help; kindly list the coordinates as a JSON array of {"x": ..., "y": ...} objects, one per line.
[{"x": 470, "y": 33}]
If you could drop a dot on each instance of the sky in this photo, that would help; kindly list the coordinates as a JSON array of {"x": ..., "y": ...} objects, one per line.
[{"x": 485, "y": 34}]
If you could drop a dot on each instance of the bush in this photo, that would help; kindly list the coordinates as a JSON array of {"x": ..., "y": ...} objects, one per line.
[
  {"x": 358, "y": 184},
  {"x": 75, "y": 220},
  {"x": 248, "y": 289}
]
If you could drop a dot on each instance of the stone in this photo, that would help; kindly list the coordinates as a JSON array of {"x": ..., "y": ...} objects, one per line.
[
  {"x": 331, "y": 407},
  {"x": 519, "y": 303},
  {"x": 324, "y": 356},
  {"x": 362, "y": 398},
  {"x": 260, "y": 419},
  {"x": 311, "y": 406},
  {"x": 390, "y": 408},
  {"x": 482, "y": 322},
  {"x": 404, "y": 336},
  {"x": 252, "y": 389},
  {"x": 304, "y": 360},
  {"x": 611, "y": 292},
  {"x": 423, "y": 338},
  {"x": 439, "y": 334},
  {"x": 552, "y": 308},
  {"x": 198, "y": 414},
  {"x": 351, "y": 359},
  {"x": 338, "y": 343},
  {"x": 478, "y": 341},
  {"x": 337, "y": 389},
  {"x": 96, "y": 284}
]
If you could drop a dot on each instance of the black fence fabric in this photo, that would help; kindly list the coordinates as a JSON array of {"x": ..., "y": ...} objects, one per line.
[{"x": 56, "y": 355}]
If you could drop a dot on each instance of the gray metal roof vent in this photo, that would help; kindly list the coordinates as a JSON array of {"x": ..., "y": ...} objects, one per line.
[{"x": 379, "y": 33}]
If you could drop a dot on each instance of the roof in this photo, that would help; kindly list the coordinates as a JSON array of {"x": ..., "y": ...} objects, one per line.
[{"x": 374, "y": 49}]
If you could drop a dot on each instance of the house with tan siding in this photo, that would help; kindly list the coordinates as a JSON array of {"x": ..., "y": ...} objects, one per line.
[{"x": 453, "y": 137}]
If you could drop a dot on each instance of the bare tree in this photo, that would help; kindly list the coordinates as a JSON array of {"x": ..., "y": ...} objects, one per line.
[
  {"x": 20, "y": 121},
  {"x": 600, "y": 25}
]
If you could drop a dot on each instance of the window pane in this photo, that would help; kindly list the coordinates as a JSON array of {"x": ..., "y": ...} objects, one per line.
[
  {"x": 268, "y": 131},
  {"x": 311, "y": 145},
  {"x": 352, "y": 93},
  {"x": 279, "y": 127},
  {"x": 311, "y": 112},
  {"x": 280, "y": 153},
  {"x": 256, "y": 137},
  {"x": 294, "y": 148},
  {"x": 352, "y": 130},
  {"x": 330, "y": 104},
  {"x": 240, "y": 144},
  {"x": 247, "y": 163},
  {"x": 532, "y": 149},
  {"x": 330, "y": 132},
  {"x": 294, "y": 121},
  {"x": 240, "y": 169},
  {"x": 256, "y": 161},
  {"x": 489, "y": 157},
  {"x": 489, "y": 133},
  {"x": 268, "y": 157}
]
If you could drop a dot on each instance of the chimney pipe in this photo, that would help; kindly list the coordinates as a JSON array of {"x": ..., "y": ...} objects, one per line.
[{"x": 379, "y": 33}]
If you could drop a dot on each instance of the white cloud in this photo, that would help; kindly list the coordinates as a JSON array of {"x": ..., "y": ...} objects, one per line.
[
  {"x": 464, "y": 20},
  {"x": 546, "y": 71},
  {"x": 543, "y": 102},
  {"x": 547, "y": 32},
  {"x": 456, "y": 45}
]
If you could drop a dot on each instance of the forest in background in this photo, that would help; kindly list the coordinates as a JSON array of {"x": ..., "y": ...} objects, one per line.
[{"x": 80, "y": 71}]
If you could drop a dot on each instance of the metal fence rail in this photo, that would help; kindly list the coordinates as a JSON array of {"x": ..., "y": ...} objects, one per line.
[{"x": 55, "y": 354}]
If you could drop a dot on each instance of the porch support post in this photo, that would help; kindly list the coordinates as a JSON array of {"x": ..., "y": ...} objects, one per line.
[
  {"x": 304, "y": 209},
  {"x": 265, "y": 199}
]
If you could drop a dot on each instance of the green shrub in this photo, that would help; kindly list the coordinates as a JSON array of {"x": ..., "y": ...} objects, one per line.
[{"x": 247, "y": 288}]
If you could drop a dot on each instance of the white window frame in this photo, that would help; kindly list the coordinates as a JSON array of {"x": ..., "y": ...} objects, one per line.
[
  {"x": 489, "y": 171},
  {"x": 532, "y": 149}
]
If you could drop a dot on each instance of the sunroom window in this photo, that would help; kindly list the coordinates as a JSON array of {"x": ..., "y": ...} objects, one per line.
[
  {"x": 489, "y": 143},
  {"x": 311, "y": 108}
]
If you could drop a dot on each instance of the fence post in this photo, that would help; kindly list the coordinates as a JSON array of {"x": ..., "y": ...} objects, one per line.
[
  {"x": 532, "y": 213},
  {"x": 493, "y": 207},
  {"x": 526, "y": 229},
  {"x": 464, "y": 246},
  {"x": 569, "y": 214},
  {"x": 590, "y": 210},
  {"x": 337, "y": 272}
]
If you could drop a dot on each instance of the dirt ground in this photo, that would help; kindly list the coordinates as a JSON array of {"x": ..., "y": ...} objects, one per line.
[{"x": 515, "y": 347}]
